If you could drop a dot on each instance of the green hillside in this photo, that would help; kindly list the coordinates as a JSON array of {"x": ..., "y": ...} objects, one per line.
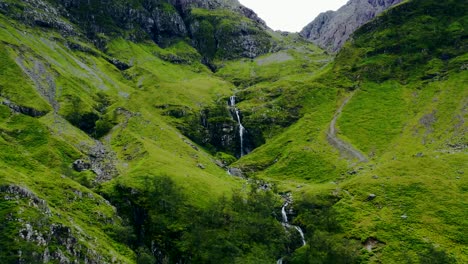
[{"x": 120, "y": 143}]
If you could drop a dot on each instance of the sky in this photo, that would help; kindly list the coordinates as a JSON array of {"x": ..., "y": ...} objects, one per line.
[{"x": 291, "y": 15}]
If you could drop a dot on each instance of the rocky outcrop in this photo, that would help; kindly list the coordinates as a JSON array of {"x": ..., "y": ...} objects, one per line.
[
  {"x": 184, "y": 7},
  {"x": 36, "y": 237},
  {"x": 22, "y": 109},
  {"x": 38, "y": 12},
  {"x": 241, "y": 33},
  {"x": 331, "y": 29},
  {"x": 101, "y": 160},
  {"x": 216, "y": 128}
]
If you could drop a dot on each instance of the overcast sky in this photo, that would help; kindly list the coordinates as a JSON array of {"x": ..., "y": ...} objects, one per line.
[{"x": 291, "y": 15}]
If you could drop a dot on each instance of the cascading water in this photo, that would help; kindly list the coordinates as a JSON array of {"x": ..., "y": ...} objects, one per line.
[
  {"x": 232, "y": 103},
  {"x": 286, "y": 225}
]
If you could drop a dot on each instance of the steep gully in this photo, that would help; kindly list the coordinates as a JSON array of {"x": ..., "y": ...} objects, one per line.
[
  {"x": 343, "y": 147},
  {"x": 243, "y": 151},
  {"x": 242, "y": 131},
  {"x": 287, "y": 226}
]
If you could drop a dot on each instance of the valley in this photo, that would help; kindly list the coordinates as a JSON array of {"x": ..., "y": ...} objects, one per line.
[{"x": 187, "y": 131}]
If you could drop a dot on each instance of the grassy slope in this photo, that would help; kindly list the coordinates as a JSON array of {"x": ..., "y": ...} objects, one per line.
[
  {"x": 407, "y": 115},
  {"x": 274, "y": 91},
  {"x": 410, "y": 120},
  {"x": 397, "y": 112},
  {"x": 420, "y": 173},
  {"x": 36, "y": 152}
]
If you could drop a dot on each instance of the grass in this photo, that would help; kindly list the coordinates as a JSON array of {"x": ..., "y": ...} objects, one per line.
[
  {"x": 37, "y": 152},
  {"x": 365, "y": 120},
  {"x": 407, "y": 114}
]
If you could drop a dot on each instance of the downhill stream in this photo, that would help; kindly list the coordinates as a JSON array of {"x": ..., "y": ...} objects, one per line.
[
  {"x": 242, "y": 131},
  {"x": 286, "y": 225}
]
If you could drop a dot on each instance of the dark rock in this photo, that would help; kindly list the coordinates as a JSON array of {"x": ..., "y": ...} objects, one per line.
[
  {"x": 39, "y": 13},
  {"x": 79, "y": 47},
  {"x": 331, "y": 29},
  {"x": 80, "y": 165},
  {"x": 264, "y": 186},
  {"x": 119, "y": 64},
  {"x": 375, "y": 177},
  {"x": 29, "y": 111},
  {"x": 458, "y": 147},
  {"x": 371, "y": 197},
  {"x": 15, "y": 192},
  {"x": 419, "y": 155},
  {"x": 201, "y": 166}
]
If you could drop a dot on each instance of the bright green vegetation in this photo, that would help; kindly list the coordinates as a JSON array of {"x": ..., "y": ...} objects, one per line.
[
  {"x": 407, "y": 115},
  {"x": 148, "y": 111},
  {"x": 95, "y": 96}
]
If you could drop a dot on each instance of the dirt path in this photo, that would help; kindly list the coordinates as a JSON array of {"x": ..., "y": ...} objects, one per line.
[{"x": 344, "y": 148}]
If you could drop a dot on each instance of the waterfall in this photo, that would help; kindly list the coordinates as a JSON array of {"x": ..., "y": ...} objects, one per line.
[
  {"x": 283, "y": 213},
  {"x": 301, "y": 233},
  {"x": 232, "y": 103},
  {"x": 287, "y": 226}
]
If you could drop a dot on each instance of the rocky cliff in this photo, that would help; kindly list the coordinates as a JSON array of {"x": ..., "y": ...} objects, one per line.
[
  {"x": 331, "y": 29},
  {"x": 219, "y": 29}
]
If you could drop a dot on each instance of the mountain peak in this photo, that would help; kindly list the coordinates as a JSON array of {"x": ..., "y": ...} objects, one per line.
[{"x": 331, "y": 29}]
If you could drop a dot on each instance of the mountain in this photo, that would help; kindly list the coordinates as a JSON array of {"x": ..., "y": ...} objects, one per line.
[
  {"x": 153, "y": 131},
  {"x": 228, "y": 30},
  {"x": 330, "y": 30}
]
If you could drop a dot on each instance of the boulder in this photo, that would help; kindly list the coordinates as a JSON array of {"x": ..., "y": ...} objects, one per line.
[
  {"x": 80, "y": 165},
  {"x": 371, "y": 197},
  {"x": 236, "y": 172}
]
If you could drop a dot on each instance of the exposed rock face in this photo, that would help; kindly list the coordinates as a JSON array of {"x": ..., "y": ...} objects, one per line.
[
  {"x": 37, "y": 237},
  {"x": 80, "y": 165},
  {"x": 22, "y": 109},
  {"x": 185, "y": 5},
  {"x": 331, "y": 29},
  {"x": 165, "y": 22},
  {"x": 38, "y": 12}
]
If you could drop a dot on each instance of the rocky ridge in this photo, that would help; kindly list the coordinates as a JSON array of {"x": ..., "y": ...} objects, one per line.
[
  {"x": 237, "y": 31},
  {"x": 331, "y": 29}
]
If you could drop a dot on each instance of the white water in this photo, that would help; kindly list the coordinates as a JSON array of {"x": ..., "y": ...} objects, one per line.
[
  {"x": 283, "y": 213},
  {"x": 301, "y": 233},
  {"x": 286, "y": 225},
  {"x": 232, "y": 101}
]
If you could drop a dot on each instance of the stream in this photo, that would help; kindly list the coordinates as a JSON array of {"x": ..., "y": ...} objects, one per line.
[
  {"x": 288, "y": 226},
  {"x": 242, "y": 131}
]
